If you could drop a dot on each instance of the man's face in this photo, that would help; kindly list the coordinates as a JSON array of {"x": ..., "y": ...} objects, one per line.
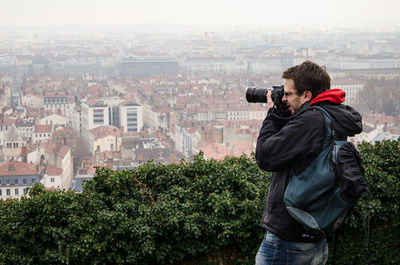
[{"x": 291, "y": 98}]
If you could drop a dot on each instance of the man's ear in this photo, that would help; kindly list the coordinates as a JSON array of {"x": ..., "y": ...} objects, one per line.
[{"x": 307, "y": 95}]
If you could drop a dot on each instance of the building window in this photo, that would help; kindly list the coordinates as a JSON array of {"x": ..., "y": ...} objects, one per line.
[
  {"x": 98, "y": 121},
  {"x": 8, "y": 192},
  {"x": 24, "y": 181},
  {"x": 33, "y": 180},
  {"x": 1, "y": 192},
  {"x": 16, "y": 191},
  {"x": 16, "y": 181},
  {"x": 25, "y": 190},
  {"x": 7, "y": 182},
  {"x": 51, "y": 179}
]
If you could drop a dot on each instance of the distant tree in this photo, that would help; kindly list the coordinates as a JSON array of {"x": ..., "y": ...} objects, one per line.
[
  {"x": 79, "y": 149},
  {"x": 72, "y": 139}
]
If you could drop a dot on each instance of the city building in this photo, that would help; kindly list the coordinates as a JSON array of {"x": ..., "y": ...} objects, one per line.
[
  {"x": 56, "y": 102},
  {"x": 42, "y": 132},
  {"x": 226, "y": 65},
  {"x": 104, "y": 138},
  {"x": 140, "y": 67},
  {"x": 11, "y": 143},
  {"x": 117, "y": 113},
  {"x": 52, "y": 178},
  {"x": 130, "y": 117},
  {"x": 16, "y": 177}
]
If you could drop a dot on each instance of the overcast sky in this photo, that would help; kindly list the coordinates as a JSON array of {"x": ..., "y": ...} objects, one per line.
[{"x": 374, "y": 13}]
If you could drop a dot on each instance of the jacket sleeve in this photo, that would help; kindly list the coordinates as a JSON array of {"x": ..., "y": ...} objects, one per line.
[{"x": 281, "y": 144}]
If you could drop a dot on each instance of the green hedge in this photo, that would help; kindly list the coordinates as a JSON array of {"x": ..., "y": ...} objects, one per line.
[
  {"x": 197, "y": 212},
  {"x": 373, "y": 234}
]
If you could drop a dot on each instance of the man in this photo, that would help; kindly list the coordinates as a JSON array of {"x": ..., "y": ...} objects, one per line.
[{"x": 289, "y": 140}]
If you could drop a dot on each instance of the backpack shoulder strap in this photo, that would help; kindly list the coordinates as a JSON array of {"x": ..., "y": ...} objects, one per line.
[{"x": 329, "y": 127}]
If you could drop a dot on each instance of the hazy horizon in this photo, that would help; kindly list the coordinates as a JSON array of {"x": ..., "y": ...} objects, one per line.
[{"x": 308, "y": 13}]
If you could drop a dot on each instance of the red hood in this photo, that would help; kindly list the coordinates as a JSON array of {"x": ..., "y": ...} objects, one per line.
[{"x": 335, "y": 95}]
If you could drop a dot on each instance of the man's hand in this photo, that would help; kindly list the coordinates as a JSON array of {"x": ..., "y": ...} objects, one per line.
[{"x": 270, "y": 103}]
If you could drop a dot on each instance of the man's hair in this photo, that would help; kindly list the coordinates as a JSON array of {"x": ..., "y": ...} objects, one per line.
[{"x": 309, "y": 76}]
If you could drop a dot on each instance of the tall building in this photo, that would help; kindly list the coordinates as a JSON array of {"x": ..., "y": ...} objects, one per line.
[
  {"x": 131, "y": 117},
  {"x": 94, "y": 115},
  {"x": 112, "y": 112}
]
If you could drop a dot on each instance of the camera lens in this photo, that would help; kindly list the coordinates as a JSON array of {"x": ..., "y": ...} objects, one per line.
[{"x": 254, "y": 95}]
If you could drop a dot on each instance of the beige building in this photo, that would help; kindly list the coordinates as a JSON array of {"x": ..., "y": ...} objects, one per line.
[
  {"x": 63, "y": 160},
  {"x": 31, "y": 100},
  {"x": 104, "y": 138},
  {"x": 42, "y": 133},
  {"x": 53, "y": 156},
  {"x": 11, "y": 143},
  {"x": 53, "y": 119}
]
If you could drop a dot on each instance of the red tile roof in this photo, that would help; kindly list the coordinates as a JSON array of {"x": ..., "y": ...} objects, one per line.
[
  {"x": 104, "y": 131},
  {"x": 15, "y": 168},
  {"x": 53, "y": 171},
  {"x": 45, "y": 128},
  {"x": 7, "y": 122}
]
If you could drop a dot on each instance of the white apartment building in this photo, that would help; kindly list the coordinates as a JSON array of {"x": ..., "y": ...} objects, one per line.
[
  {"x": 26, "y": 129},
  {"x": 60, "y": 158},
  {"x": 111, "y": 112},
  {"x": 57, "y": 102},
  {"x": 131, "y": 117},
  {"x": 93, "y": 115},
  {"x": 52, "y": 178}
]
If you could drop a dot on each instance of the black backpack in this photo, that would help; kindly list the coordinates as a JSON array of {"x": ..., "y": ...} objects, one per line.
[{"x": 322, "y": 195}]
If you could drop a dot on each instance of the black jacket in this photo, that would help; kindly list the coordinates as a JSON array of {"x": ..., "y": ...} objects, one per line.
[{"x": 286, "y": 146}]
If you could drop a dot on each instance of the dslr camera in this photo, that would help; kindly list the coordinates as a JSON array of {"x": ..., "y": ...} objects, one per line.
[{"x": 259, "y": 95}]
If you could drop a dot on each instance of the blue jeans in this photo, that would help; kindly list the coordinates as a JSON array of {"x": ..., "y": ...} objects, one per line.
[{"x": 276, "y": 251}]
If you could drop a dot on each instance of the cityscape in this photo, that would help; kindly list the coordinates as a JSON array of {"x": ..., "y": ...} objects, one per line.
[{"x": 74, "y": 98}]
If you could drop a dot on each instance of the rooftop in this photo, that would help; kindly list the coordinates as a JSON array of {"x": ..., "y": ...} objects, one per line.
[{"x": 15, "y": 168}]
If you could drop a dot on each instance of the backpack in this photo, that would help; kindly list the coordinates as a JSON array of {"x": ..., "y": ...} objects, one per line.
[{"x": 322, "y": 195}]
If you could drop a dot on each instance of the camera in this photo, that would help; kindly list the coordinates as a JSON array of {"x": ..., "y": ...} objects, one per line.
[{"x": 259, "y": 95}]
